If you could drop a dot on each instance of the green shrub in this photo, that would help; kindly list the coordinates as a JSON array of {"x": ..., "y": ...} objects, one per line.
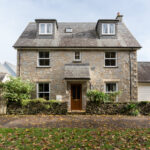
[
  {"x": 17, "y": 89},
  {"x": 97, "y": 96},
  {"x": 38, "y": 106}
]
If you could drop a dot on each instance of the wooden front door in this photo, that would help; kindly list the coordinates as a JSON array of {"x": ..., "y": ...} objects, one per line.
[{"x": 76, "y": 97}]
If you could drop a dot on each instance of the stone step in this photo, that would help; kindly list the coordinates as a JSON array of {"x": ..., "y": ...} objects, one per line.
[{"x": 77, "y": 112}]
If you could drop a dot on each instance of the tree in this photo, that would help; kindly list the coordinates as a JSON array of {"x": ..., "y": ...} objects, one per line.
[{"x": 17, "y": 89}]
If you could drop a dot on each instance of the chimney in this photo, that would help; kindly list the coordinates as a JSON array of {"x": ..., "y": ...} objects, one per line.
[{"x": 119, "y": 17}]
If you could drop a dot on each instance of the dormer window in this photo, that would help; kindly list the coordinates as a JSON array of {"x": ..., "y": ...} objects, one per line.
[
  {"x": 45, "y": 28},
  {"x": 108, "y": 28}
]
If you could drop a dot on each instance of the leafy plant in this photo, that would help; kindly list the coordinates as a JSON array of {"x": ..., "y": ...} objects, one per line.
[
  {"x": 17, "y": 89},
  {"x": 132, "y": 109},
  {"x": 97, "y": 96}
]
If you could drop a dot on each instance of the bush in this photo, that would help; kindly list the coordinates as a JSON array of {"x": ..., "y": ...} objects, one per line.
[
  {"x": 132, "y": 109},
  {"x": 102, "y": 97},
  {"x": 17, "y": 89},
  {"x": 38, "y": 106}
]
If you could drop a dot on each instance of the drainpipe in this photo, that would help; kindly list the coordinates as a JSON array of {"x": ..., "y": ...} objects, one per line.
[
  {"x": 130, "y": 68},
  {"x": 18, "y": 74}
]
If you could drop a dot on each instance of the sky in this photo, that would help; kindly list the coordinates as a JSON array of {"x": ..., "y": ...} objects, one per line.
[{"x": 16, "y": 14}]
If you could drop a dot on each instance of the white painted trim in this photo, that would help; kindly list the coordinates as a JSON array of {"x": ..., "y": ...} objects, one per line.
[
  {"x": 111, "y": 59},
  {"x": 45, "y": 32},
  {"x": 108, "y": 29}
]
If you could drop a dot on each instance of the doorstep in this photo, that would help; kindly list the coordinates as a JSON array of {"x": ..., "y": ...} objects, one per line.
[{"x": 77, "y": 112}]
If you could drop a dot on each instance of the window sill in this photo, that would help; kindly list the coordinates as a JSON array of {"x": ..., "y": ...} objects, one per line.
[
  {"x": 111, "y": 67},
  {"x": 43, "y": 66},
  {"x": 77, "y": 61}
]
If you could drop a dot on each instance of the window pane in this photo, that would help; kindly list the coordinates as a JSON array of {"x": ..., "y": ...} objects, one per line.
[
  {"x": 42, "y": 62},
  {"x": 46, "y": 54},
  {"x": 41, "y": 88},
  {"x": 113, "y": 54},
  {"x": 112, "y": 28},
  {"x": 49, "y": 28},
  {"x": 107, "y": 55},
  {"x": 78, "y": 92},
  {"x": 113, "y": 62},
  {"x": 46, "y": 87},
  {"x": 46, "y": 62},
  {"x": 104, "y": 28},
  {"x": 77, "y": 55},
  {"x": 46, "y": 96},
  {"x": 41, "y": 95},
  {"x": 42, "y": 28},
  {"x": 74, "y": 92},
  {"x": 43, "y": 54},
  {"x": 107, "y": 62}
]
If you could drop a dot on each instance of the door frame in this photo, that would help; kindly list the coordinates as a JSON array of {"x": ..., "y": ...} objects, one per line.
[{"x": 80, "y": 95}]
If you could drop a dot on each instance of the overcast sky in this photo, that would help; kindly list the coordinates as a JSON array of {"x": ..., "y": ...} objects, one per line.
[{"x": 15, "y": 15}]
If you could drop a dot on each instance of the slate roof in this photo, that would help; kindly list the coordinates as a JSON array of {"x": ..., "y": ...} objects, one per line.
[
  {"x": 8, "y": 68},
  {"x": 77, "y": 71},
  {"x": 144, "y": 72},
  {"x": 83, "y": 35}
]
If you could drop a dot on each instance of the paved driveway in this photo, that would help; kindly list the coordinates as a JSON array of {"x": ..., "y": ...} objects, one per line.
[{"x": 74, "y": 121}]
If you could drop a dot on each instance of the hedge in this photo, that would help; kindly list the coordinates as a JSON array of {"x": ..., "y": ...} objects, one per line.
[
  {"x": 31, "y": 107},
  {"x": 126, "y": 108}
]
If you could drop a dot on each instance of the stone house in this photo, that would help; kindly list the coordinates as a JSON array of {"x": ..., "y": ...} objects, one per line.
[{"x": 65, "y": 59}]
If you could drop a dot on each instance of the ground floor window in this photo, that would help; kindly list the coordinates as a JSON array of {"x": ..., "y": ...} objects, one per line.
[
  {"x": 43, "y": 90},
  {"x": 111, "y": 87}
]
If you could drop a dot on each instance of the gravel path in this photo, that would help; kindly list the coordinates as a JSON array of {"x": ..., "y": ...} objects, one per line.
[{"x": 74, "y": 121}]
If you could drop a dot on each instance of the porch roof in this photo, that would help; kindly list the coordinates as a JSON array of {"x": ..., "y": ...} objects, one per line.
[{"x": 77, "y": 72}]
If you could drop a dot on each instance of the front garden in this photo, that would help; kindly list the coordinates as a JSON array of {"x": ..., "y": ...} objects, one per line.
[{"x": 17, "y": 95}]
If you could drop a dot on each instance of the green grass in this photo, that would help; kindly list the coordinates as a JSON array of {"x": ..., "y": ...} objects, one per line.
[{"x": 67, "y": 138}]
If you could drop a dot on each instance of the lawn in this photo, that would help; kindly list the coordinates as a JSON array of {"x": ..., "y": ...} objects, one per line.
[{"x": 73, "y": 138}]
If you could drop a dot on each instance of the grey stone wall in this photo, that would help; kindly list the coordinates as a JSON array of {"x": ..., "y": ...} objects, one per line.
[{"x": 99, "y": 74}]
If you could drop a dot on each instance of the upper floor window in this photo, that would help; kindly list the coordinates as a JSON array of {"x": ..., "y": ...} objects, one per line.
[
  {"x": 110, "y": 59},
  {"x": 44, "y": 59},
  {"x": 45, "y": 28},
  {"x": 108, "y": 28},
  {"x": 43, "y": 90},
  {"x": 77, "y": 56}
]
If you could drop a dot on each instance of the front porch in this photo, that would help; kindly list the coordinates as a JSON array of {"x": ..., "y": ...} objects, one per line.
[{"x": 77, "y": 78}]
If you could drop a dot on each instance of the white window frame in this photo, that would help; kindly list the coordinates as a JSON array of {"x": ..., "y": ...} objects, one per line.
[
  {"x": 37, "y": 89},
  {"x": 113, "y": 91},
  {"x": 38, "y": 58},
  {"x": 68, "y": 30},
  {"x": 75, "y": 56},
  {"x": 110, "y": 59},
  {"x": 45, "y": 32},
  {"x": 108, "y": 29}
]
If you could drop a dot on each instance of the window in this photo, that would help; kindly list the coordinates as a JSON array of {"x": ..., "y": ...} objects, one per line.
[
  {"x": 68, "y": 30},
  {"x": 77, "y": 56},
  {"x": 108, "y": 28},
  {"x": 43, "y": 90},
  {"x": 111, "y": 87},
  {"x": 110, "y": 59},
  {"x": 44, "y": 59},
  {"x": 45, "y": 28}
]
